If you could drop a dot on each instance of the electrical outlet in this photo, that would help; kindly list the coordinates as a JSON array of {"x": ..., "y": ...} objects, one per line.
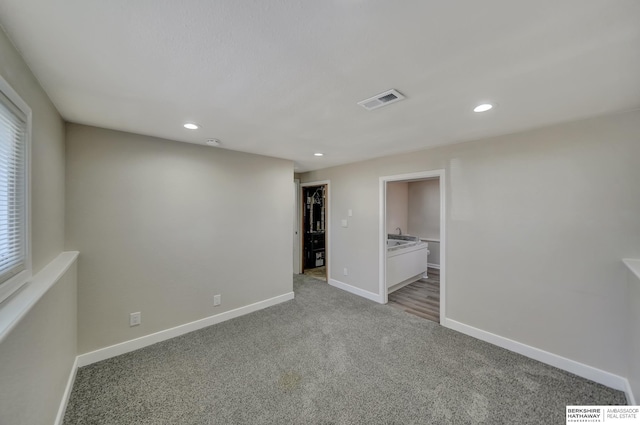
[
  {"x": 345, "y": 223},
  {"x": 350, "y": 213},
  {"x": 345, "y": 272},
  {"x": 135, "y": 319},
  {"x": 217, "y": 299}
]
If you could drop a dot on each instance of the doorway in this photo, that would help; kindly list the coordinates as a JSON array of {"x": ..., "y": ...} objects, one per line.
[
  {"x": 296, "y": 227},
  {"x": 314, "y": 231},
  {"x": 412, "y": 224}
]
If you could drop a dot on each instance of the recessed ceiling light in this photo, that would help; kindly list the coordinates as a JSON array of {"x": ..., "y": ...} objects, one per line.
[
  {"x": 213, "y": 142},
  {"x": 318, "y": 154},
  {"x": 191, "y": 126},
  {"x": 484, "y": 107}
]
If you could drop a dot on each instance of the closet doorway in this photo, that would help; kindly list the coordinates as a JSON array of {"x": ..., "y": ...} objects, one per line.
[{"x": 314, "y": 231}]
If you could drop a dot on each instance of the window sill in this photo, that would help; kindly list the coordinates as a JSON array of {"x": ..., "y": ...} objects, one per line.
[
  {"x": 633, "y": 265},
  {"x": 13, "y": 285},
  {"x": 13, "y": 309}
]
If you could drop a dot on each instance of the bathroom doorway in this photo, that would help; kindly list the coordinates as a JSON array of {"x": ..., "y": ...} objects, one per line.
[
  {"x": 412, "y": 243},
  {"x": 314, "y": 230}
]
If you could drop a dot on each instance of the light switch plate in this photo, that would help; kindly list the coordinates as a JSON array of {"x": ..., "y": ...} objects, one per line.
[{"x": 345, "y": 223}]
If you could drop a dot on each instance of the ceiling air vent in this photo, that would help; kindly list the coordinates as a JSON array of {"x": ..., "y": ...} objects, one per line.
[{"x": 380, "y": 100}]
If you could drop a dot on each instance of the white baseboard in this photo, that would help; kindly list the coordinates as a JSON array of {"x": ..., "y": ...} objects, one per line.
[
  {"x": 433, "y": 266},
  {"x": 67, "y": 393},
  {"x": 597, "y": 375},
  {"x": 144, "y": 341},
  {"x": 354, "y": 290},
  {"x": 631, "y": 400}
]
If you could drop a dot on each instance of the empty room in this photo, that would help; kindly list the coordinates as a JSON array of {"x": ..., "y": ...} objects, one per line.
[{"x": 298, "y": 212}]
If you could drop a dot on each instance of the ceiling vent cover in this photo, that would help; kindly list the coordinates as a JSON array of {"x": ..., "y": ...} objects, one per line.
[{"x": 382, "y": 99}]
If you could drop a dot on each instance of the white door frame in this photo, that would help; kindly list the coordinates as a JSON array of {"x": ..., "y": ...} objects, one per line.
[
  {"x": 443, "y": 239},
  {"x": 327, "y": 218},
  {"x": 296, "y": 227}
]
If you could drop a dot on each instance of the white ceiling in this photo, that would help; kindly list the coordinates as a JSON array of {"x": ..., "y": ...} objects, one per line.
[{"x": 282, "y": 77}]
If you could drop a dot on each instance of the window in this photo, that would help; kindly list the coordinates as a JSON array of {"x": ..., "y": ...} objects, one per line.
[{"x": 14, "y": 153}]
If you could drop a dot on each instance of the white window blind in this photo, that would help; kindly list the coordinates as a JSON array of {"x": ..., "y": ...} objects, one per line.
[{"x": 13, "y": 214}]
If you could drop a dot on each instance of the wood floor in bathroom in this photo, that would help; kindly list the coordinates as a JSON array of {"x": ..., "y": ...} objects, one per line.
[
  {"x": 421, "y": 298},
  {"x": 319, "y": 273}
]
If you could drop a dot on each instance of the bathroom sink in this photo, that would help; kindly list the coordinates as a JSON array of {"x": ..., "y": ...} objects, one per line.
[
  {"x": 405, "y": 238},
  {"x": 397, "y": 242}
]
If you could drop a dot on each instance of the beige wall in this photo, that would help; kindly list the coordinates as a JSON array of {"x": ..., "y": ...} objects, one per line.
[
  {"x": 633, "y": 336},
  {"x": 162, "y": 226},
  {"x": 424, "y": 209},
  {"x": 47, "y": 158},
  {"x": 424, "y": 215},
  {"x": 537, "y": 223},
  {"x": 397, "y": 207},
  {"x": 37, "y": 356}
]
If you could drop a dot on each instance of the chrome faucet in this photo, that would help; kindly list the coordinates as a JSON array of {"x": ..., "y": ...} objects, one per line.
[{"x": 399, "y": 231}]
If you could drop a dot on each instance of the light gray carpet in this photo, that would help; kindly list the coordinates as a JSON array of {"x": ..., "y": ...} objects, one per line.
[{"x": 327, "y": 357}]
